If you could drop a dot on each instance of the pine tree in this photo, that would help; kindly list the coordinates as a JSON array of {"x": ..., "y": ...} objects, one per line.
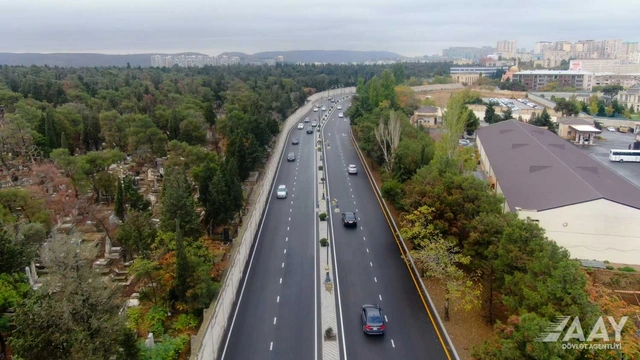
[
  {"x": 63, "y": 142},
  {"x": 178, "y": 204},
  {"x": 507, "y": 114},
  {"x": 50, "y": 131},
  {"x": 119, "y": 209},
  {"x": 181, "y": 285},
  {"x": 489, "y": 114}
]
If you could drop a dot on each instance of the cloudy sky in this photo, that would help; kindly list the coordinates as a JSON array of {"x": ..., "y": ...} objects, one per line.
[{"x": 408, "y": 27}]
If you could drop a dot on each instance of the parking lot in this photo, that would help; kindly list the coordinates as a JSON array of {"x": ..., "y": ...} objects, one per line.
[
  {"x": 516, "y": 103},
  {"x": 615, "y": 140}
]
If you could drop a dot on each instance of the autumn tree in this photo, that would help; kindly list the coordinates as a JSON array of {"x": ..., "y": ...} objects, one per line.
[
  {"x": 388, "y": 137},
  {"x": 441, "y": 258}
]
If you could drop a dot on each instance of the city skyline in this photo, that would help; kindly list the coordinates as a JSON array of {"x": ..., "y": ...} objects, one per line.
[{"x": 409, "y": 28}]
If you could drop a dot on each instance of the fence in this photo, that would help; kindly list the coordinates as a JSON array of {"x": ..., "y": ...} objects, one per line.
[{"x": 206, "y": 344}]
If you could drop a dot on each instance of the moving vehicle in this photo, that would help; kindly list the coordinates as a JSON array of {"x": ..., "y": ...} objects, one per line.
[
  {"x": 341, "y": 115},
  {"x": 295, "y": 141},
  {"x": 339, "y": 107},
  {"x": 352, "y": 169},
  {"x": 282, "y": 192},
  {"x": 309, "y": 130},
  {"x": 314, "y": 124},
  {"x": 624, "y": 155},
  {"x": 611, "y": 128},
  {"x": 349, "y": 219},
  {"x": 324, "y": 108},
  {"x": 306, "y": 120},
  {"x": 315, "y": 109},
  {"x": 300, "y": 126},
  {"x": 291, "y": 156},
  {"x": 372, "y": 320}
]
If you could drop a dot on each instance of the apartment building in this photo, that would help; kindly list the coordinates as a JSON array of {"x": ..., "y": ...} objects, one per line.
[
  {"x": 614, "y": 66},
  {"x": 507, "y": 48},
  {"x": 534, "y": 80}
]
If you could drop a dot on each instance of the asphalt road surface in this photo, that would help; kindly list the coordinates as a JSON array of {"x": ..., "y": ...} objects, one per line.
[
  {"x": 369, "y": 266},
  {"x": 277, "y": 312}
]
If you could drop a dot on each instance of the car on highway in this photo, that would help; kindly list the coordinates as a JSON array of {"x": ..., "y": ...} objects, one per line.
[
  {"x": 611, "y": 128},
  {"x": 324, "y": 108},
  {"x": 300, "y": 126},
  {"x": 341, "y": 115},
  {"x": 306, "y": 120},
  {"x": 291, "y": 156},
  {"x": 309, "y": 130},
  {"x": 282, "y": 192},
  {"x": 339, "y": 107},
  {"x": 372, "y": 320},
  {"x": 349, "y": 219},
  {"x": 295, "y": 141},
  {"x": 315, "y": 109},
  {"x": 314, "y": 124},
  {"x": 352, "y": 169}
]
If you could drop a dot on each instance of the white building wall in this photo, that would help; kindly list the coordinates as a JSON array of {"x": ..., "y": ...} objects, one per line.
[{"x": 599, "y": 229}]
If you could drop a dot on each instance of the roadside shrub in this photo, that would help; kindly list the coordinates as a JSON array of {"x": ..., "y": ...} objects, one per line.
[
  {"x": 185, "y": 322},
  {"x": 324, "y": 242},
  {"x": 609, "y": 267},
  {"x": 392, "y": 191},
  {"x": 627, "y": 269},
  {"x": 323, "y": 216}
]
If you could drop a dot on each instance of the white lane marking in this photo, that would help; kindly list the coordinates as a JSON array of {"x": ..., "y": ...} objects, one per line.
[
  {"x": 370, "y": 263},
  {"x": 380, "y": 297},
  {"x": 246, "y": 278},
  {"x": 367, "y": 250},
  {"x": 385, "y": 319},
  {"x": 271, "y": 347},
  {"x": 287, "y": 228},
  {"x": 360, "y": 228},
  {"x": 274, "y": 321},
  {"x": 289, "y": 218},
  {"x": 280, "y": 280},
  {"x": 364, "y": 238},
  {"x": 375, "y": 279},
  {"x": 354, "y": 203},
  {"x": 293, "y": 195},
  {"x": 294, "y": 189},
  {"x": 285, "y": 251},
  {"x": 291, "y": 202},
  {"x": 286, "y": 239},
  {"x": 353, "y": 196},
  {"x": 356, "y": 210},
  {"x": 278, "y": 300},
  {"x": 295, "y": 178},
  {"x": 282, "y": 264},
  {"x": 392, "y": 343}
]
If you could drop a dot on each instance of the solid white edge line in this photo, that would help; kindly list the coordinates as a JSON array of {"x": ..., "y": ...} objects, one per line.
[
  {"x": 335, "y": 262},
  {"x": 255, "y": 246},
  {"x": 314, "y": 193}
]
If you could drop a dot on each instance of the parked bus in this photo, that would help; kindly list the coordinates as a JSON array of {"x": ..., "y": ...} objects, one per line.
[{"x": 624, "y": 155}]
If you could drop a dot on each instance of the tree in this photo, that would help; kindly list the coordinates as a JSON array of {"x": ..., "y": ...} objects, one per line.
[
  {"x": 507, "y": 114},
  {"x": 399, "y": 73},
  {"x": 441, "y": 259},
  {"x": 178, "y": 204},
  {"x": 137, "y": 234},
  {"x": 567, "y": 107},
  {"x": 593, "y": 105},
  {"x": 73, "y": 316},
  {"x": 388, "y": 137},
  {"x": 183, "y": 271},
  {"x": 472, "y": 121},
  {"x": 611, "y": 91},
  {"x": 609, "y": 110},
  {"x": 132, "y": 197},
  {"x": 545, "y": 120},
  {"x": 119, "y": 208},
  {"x": 490, "y": 115},
  {"x": 193, "y": 130}
]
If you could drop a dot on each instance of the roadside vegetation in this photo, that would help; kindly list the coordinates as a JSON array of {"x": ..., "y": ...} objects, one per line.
[{"x": 457, "y": 231}]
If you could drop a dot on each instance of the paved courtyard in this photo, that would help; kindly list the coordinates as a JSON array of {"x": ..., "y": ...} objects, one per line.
[{"x": 615, "y": 140}]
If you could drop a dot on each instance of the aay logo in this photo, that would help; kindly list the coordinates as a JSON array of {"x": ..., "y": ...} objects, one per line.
[{"x": 553, "y": 332}]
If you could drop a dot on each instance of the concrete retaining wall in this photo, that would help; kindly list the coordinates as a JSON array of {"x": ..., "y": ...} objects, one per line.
[
  {"x": 542, "y": 101},
  {"x": 209, "y": 341},
  {"x": 437, "y": 87}
]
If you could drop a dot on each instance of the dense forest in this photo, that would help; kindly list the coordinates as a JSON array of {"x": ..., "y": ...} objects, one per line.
[{"x": 150, "y": 162}]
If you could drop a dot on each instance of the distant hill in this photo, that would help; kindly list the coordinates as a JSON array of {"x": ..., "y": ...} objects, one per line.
[
  {"x": 322, "y": 56},
  {"x": 78, "y": 59},
  {"x": 144, "y": 60}
]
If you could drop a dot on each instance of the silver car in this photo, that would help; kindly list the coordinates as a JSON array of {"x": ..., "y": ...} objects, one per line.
[
  {"x": 282, "y": 192},
  {"x": 352, "y": 169}
]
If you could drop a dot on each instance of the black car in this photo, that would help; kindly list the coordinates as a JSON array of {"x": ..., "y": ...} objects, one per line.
[
  {"x": 295, "y": 141},
  {"x": 309, "y": 130},
  {"x": 349, "y": 219},
  {"x": 291, "y": 157},
  {"x": 372, "y": 320}
]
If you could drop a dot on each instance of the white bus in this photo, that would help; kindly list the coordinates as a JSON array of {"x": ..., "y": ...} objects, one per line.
[{"x": 624, "y": 155}]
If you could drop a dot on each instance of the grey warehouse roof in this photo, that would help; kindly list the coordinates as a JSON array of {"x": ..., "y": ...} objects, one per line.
[
  {"x": 427, "y": 110},
  {"x": 538, "y": 170}
]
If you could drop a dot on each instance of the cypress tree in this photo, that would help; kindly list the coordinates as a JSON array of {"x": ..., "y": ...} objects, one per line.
[
  {"x": 181, "y": 285},
  {"x": 119, "y": 203}
]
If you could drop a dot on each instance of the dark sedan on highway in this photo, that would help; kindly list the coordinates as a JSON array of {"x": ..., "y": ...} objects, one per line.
[
  {"x": 349, "y": 219},
  {"x": 372, "y": 320}
]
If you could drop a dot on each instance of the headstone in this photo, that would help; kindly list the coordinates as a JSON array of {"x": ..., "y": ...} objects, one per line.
[
  {"x": 34, "y": 273},
  {"x": 107, "y": 247},
  {"x": 149, "y": 342},
  {"x": 28, "y": 271}
]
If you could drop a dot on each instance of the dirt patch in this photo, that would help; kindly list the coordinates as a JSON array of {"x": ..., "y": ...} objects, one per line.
[
  {"x": 467, "y": 329},
  {"x": 442, "y": 96},
  {"x": 625, "y": 284}
]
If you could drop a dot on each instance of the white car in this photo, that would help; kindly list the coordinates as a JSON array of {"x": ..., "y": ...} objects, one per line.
[
  {"x": 339, "y": 107},
  {"x": 300, "y": 126},
  {"x": 282, "y": 192},
  {"x": 352, "y": 170},
  {"x": 324, "y": 108},
  {"x": 314, "y": 124},
  {"x": 340, "y": 115},
  {"x": 611, "y": 128},
  {"x": 315, "y": 109}
]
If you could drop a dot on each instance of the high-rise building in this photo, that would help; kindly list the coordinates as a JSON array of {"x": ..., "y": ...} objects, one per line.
[
  {"x": 468, "y": 53},
  {"x": 507, "y": 48},
  {"x": 541, "y": 46}
]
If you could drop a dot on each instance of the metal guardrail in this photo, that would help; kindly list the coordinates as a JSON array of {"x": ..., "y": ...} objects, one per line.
[{"x": 405, "y": 253}]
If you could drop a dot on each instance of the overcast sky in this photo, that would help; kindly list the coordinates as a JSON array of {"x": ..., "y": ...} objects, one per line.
[{"x": 407, "y": 27}]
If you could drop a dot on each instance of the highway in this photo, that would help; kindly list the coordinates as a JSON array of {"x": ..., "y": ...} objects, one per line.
[
  {"x": 368, "y": 264},
  {"x": 277, "y": 314}
]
